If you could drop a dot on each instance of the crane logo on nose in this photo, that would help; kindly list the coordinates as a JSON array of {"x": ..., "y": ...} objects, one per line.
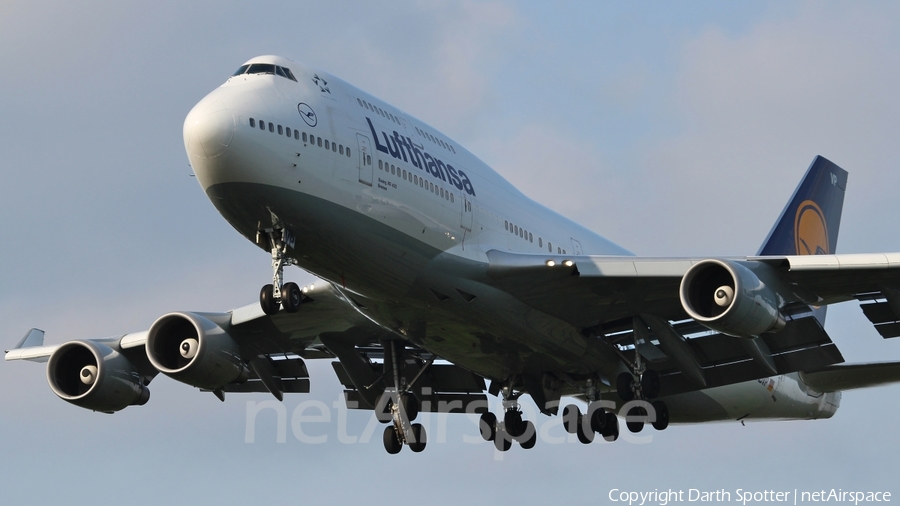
[{"x": 308, "y": 115}]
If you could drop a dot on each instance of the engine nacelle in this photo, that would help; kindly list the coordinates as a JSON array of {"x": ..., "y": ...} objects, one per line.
[
  {"x": 194, "y": 350},
  {"x": 728, "y": 297},
  {"x": 94, "y": 376}
]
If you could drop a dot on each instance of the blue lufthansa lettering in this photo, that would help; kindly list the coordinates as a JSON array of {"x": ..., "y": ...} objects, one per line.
[{"x": 402, "y": 148}]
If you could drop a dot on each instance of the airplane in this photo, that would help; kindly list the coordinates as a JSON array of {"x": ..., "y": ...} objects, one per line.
[{"x": 444, "y": 284}]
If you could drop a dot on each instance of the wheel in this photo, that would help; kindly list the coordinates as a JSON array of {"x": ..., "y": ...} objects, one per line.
[
  {"x": 488, "y": 426},
  {"x": 391, "y": 442},
  {"x": 585, "y": 435},
  {"x": 624, "y": 386},
  {"x": 384, "y": 414},
  {"x": 410, "y": 405},
  {"x": 417, "y": 443},
  {"x": 502, "y": 441},
  {"x": 662, "y": 415},
  {"x": 290, "y": 297},
  {"x": 650, "y": 384},
  {"x": 598, "y": 419},
  {"x": 267, "y": 300},
  {"x": 515, "y": 426},
  {"x": 635, "y": 426},
  {"x": 611, "y": 431},
  {"x": 531, "y": 433},
  {"x": 571, "y": 415}
]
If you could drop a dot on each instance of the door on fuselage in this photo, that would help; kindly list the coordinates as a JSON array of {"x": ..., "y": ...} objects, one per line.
[
  {"x": 466, "y": 216},
  {"x": 365, "y": 159}
]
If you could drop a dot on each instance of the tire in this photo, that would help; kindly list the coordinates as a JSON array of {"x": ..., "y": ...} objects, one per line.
[
  {"x": 585, "y": 435},
  {"x": 502, "y": 441},
  {"x": 419, "y": 438},
  {"x": 515, "y": 426},
  {"x": 384, "y": 414},
  {"x": 267, "y": 300},
  {"x": 611, "y": 431},
  {"x": 531, "y": 433},
  {"x": 624, "y": 384},
  {"x": 662, "y": 415},
  {"x": 391, "y": 443},
  {"x": 650, "y": 384},
  {"x": 410, "y": 405},
  {"x": 291, "y": 297},
  {"x": 571, "y": 414},
  {"x": 635, "y": 426},
  {"x": 598, "y": 419},
  {"x": 488, "y": 426}
]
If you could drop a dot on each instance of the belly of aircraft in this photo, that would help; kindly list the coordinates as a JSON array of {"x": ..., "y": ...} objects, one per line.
[{"x": 401, "y": 283}]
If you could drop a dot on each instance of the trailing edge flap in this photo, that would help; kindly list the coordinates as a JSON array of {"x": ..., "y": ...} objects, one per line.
[{"x": 850, "y": 376}]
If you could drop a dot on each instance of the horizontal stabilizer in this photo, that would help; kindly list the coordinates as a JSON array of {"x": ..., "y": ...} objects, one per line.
[{"x": 850, "y": 376}]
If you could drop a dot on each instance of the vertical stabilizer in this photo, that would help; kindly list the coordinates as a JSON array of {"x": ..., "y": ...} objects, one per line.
[{"x": 809, "y": 223}]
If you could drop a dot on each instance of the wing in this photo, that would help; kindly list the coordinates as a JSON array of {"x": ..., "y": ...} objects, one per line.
[{"x": 245, "y": 350}]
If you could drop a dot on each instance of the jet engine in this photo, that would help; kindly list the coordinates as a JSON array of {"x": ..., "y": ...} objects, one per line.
[
  {"x": 92, "y": 375},
  {"x": 194, "y": 350},
  {"x": 728, "y": 297}
]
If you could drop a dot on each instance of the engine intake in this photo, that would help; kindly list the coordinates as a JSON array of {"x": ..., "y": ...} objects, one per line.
[
  {"x": 194, "y": 350},
  {"x": 93, "y": 376},
  {"x": 728, "y": 297}
]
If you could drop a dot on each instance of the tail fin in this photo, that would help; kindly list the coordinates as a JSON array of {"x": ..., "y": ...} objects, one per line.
[{"x": 809, "y": 224}]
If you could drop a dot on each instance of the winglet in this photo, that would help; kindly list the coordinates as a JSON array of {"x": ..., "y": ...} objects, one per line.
[
  {"x": 34, "y": 337},
  {"x": 809, "y": 223}
]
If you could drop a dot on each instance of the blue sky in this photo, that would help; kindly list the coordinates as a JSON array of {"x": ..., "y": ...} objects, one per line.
[{"x": 671, "y": 128}]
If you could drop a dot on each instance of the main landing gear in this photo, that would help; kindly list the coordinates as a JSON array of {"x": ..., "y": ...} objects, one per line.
[
  {"x": 278, "y": 293},
  {"x": 597, "y": 420},
  {"x": 641, "y": 384},
  {"x": 399, "y": 407},
  {"x": 512, "y": 428}
]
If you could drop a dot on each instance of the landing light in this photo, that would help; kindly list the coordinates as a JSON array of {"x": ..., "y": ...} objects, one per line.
[
  {"x": 550, "y": 263},
  {"x": 568, "y": 263}
]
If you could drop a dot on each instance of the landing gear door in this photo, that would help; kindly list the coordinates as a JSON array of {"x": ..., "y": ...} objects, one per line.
[
  {"x": 466, "y": 217},
  {"x": 365, "y": 159}
]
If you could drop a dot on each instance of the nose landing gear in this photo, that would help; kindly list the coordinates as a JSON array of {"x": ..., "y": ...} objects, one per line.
[{"x": 278, "y": 293}]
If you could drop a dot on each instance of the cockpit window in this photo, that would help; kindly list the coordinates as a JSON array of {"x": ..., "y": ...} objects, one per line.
[
  {"x": 261, "y": 68},
  {"x": 265, "y": 68},
  {"x": 288, "y": 74}
]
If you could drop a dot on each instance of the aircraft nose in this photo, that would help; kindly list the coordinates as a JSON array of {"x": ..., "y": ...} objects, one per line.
[{"x": 208, "y": 130}]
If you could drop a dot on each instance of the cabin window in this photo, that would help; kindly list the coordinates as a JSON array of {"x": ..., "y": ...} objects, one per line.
[
  {"x": 359, "y": 102},
  {"x": 380, "y": 163},
  {"x": 280, "y": 130},
  {"x": 540, "y": 243},
  {"x": 549, "y": 247},
  {"x": 297, "y": 135},
  {"x": 333, "y": 147},
  {"x": 347, "y": 152},
  {"x": 342, "y": 149},
  {"x": 319, "y": 142},
  {"x": 252, "y": 123},
  {"x": 271, "y": 127},
  {"x": 451, "y": 197},
  {"x": 287, "y": 131},
  {"x": 327, "y": 146},
  {"x": 262, "y": 125}
]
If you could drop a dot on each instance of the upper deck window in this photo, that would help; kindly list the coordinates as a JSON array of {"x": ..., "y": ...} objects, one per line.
[{"x": 266, "y": 68}]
